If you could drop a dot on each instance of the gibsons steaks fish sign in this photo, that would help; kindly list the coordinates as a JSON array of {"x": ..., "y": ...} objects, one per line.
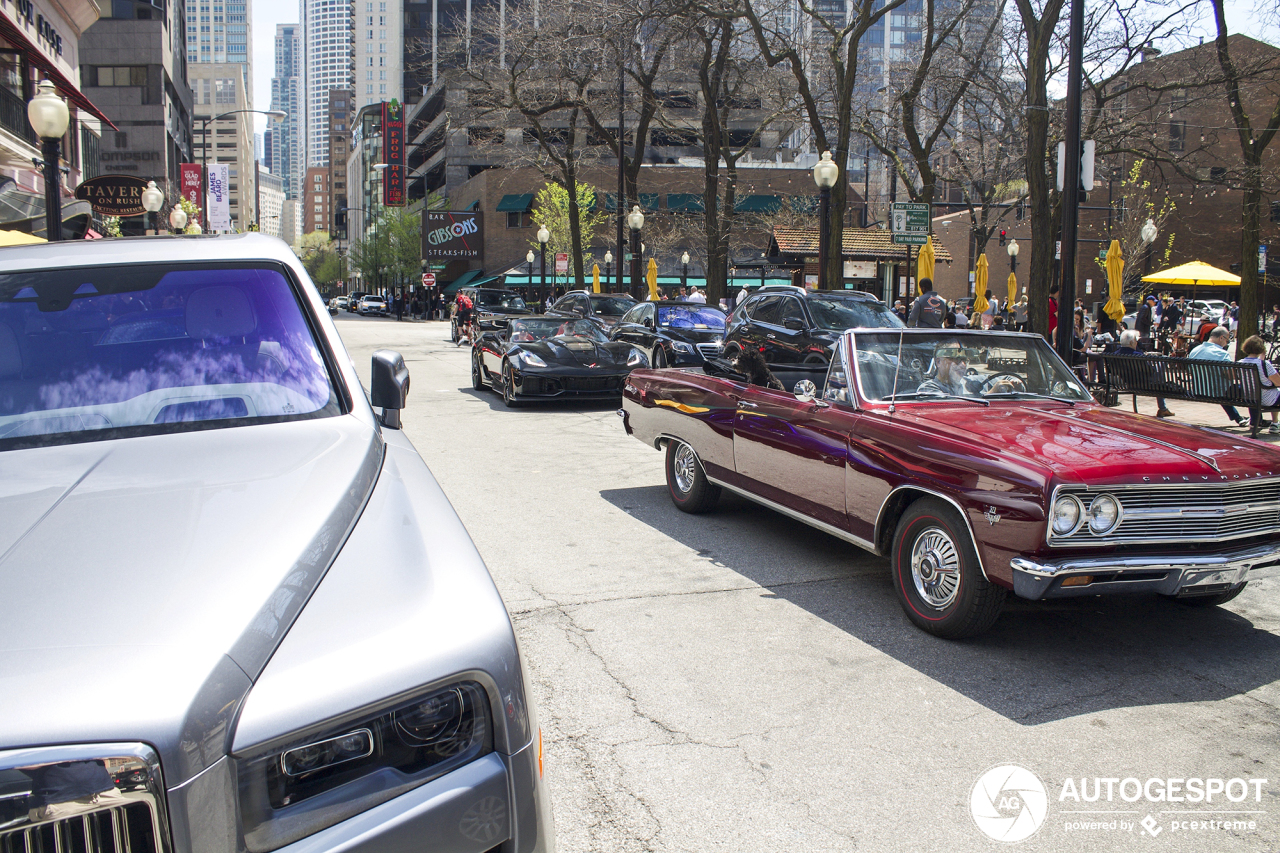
[{"x": 113, "y": 195}]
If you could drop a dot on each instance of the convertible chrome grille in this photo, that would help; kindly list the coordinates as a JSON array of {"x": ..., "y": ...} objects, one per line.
[
  {"x": 1185, "y": 512},
  {"x": 710, "y": 350},
  {"x": 128, "y": 828}
]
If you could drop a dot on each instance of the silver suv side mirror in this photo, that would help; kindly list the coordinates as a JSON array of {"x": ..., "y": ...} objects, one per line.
[{"x": 388, "y": 386}]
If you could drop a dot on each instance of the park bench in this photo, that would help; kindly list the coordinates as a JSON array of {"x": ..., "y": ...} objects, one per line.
[{"x": 1223, "y": 382}]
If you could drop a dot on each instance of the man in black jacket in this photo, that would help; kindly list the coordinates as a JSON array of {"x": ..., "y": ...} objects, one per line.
[
  {"x": 929, "y": 309},
  {"x": 1143, "y": 322},
  {"x": 1128, "y": 346}
]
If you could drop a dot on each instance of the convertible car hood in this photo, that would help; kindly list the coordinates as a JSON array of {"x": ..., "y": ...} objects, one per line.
[
  {"x": 1093, "y": 444},
  {"x": 580, "y": 351},
  {"x": 147, "y": 581}
]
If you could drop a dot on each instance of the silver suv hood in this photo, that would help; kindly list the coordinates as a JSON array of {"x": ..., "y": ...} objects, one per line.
[{"x": 147, "y": 581}]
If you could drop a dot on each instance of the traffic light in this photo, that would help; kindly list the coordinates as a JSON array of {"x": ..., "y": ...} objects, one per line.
[{"x": 1002, "y": 235}]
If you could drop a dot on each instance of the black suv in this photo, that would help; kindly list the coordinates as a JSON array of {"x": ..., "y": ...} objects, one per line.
[
  {"x": 604, "y": 309},
  {"x": 791, "y": 325},
  {"x": 488, "y": 303}
]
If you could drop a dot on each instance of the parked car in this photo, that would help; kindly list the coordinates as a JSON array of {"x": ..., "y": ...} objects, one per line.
[
  {"x": 332, "y": 306},
  {"x": 603, "y": 309},
  {"x": 545, "y": 358},
  {"x": 324, "y": 662},
  {"x": 353, "y": 300},
  {"x": 373, "y": 304},
  {"x": 673, "y": 333},
  {"x": 341, "y": 301},
  {"x": 791, "y": 325},
  {"x": 980, "y": 466},
  {"x": 489, "y": 303}
]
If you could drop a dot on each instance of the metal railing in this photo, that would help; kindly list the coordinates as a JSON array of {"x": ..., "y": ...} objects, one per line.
[{"x": 13, "y": 117}]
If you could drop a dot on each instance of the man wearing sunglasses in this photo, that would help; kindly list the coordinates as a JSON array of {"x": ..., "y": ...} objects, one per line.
[{"x": 951, "y": 377}]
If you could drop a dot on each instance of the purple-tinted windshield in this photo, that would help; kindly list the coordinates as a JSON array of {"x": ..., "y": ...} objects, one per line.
[{"x": 154, "y": 347}]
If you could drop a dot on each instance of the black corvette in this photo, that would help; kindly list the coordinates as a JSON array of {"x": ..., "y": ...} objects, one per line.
[
  {"x": 673, "y": 333},
  {"x": 546, "y": 358}
]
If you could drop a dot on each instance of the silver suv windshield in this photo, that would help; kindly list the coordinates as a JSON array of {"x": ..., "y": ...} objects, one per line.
[{"x": 139, "y": 349}]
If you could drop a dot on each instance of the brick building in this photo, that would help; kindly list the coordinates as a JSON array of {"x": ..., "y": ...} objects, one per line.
[{"x": 315, "y": 200}]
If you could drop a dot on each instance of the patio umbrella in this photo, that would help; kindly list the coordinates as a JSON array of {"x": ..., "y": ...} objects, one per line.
[
  {"x": 1013, "y": 294},
  {"x": 18, "y": 238},
  {"x": 1196, "y": 274},
  {"x": 1115, "y": 279},
  {"x": 595, "y": 278},
  {"x": 925, "y": 260},
  {"x": 652, "y": 278},
  {"x": 980, "y": 285}
]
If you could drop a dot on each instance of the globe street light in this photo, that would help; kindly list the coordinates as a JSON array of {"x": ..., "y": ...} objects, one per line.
[
  {"x": 49, "y": 118},
  {"x": 529, "y": 258},
  {"x": 1013, "y": 255},
  {"x": 635, "y": 221},
  {"x": 152, "y": 201},
  {"x": 608, "y": 268},
  {"x": 1149, "y": 232},
  {"x": 825, "y": 175},
  {"x": 543, "y": 236},
  {"x": 178, "y": 220},
  {"x": 684, "y": 279}
]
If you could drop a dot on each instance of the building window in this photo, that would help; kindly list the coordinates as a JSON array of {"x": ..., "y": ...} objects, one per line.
[
  {"x": 1177, "y": 136},
  {"x": 122, "y": 75},
  {"x": 1275, "y": 211}
]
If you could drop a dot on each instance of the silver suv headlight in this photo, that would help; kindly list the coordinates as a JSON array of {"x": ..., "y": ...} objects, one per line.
[{"x": 294, "y": 789}]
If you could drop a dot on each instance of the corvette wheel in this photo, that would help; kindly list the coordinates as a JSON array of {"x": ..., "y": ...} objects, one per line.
[
  {"x": 690, "y": 489},
  {"x": 936, "y": 574},
  {"x": 508, "y": 387},
  {"x": 659, "y": 359},
  {"x": 477, "y": 374}
]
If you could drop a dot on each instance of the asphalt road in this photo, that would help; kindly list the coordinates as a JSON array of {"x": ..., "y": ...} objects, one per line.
[{"x": 740, "y": 682}]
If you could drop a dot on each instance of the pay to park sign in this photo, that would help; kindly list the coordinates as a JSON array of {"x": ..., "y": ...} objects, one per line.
[
  {"x": 910, "y": 222},
  {"x": 113, "y": 195}
]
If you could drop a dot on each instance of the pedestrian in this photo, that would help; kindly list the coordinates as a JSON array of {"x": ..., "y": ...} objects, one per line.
[
  {"x": 993, "y": 308},
  {"x": 1129, "y": 346},
  {"x": 929, "y": 309},
  {"x": 901, "y": 310},
  {"x": 1020, "y": 314},
  {"x": 399, "y": 306},
  {"x": 1053, "y": 309},
  {"x": 1215, "y": 349},
  {"x": 1255, "y": 350},
  {"x": 696, "y": 295},
  {"x": 1142, "y": 323}
]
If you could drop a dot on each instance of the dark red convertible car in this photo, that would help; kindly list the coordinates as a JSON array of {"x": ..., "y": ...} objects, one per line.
[{"x": 979, "y": 465}]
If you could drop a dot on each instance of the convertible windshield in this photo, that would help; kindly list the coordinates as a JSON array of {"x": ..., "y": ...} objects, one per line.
[
  {"x": 499, "y": 299},
  {"x": 152, "y": 349},
  {"x": 929, "y": 365},
  {"x": 691, "y": 317},
  {"x": 611, "y": 306},
  {"x": 835, "y": 313},
  {"x": 527, "y": 331}
]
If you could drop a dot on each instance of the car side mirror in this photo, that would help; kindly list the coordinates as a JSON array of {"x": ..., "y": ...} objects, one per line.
[
  {"x": 793, "y": 324},
  {"x": 389, "y": 386}
]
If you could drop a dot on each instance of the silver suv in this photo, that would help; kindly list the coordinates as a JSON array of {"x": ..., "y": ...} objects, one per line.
[{"x": 240, "y": 614}]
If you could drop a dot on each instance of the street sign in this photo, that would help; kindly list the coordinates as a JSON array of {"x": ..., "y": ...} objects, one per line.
[
  {"x": 1262, "y": 259},
  {"x": 562, "y": 262},
  {"x": 428, "y": 279},
  {"x": 910, "y": 222}
]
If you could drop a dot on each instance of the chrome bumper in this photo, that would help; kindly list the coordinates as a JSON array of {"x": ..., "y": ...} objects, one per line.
[{"x": 1188, "y": 574}]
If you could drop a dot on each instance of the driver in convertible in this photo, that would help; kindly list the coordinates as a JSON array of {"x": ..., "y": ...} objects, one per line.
[{"x": 952, "y": 375}]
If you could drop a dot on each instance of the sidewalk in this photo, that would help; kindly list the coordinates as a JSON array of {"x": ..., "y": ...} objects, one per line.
[{"x": 1198, "y": 414}]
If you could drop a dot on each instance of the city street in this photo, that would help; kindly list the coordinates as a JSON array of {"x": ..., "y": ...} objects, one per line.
[{"x": 739, "y": 681}]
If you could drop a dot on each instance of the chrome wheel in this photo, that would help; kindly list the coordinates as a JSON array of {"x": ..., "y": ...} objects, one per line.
[
  {"x": 935, "y": 568},
  {"x": 685, "y": 468}
]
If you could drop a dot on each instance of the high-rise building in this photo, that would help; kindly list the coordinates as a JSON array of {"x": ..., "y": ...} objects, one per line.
[
  {"x": 315, "y": 202},
  {"x": 380, "y": 49},
  {"x": 288, "y": 94},
  {"x": 219, "y": 89},
  {"x": 271, "y": 199},
  {"x": 341, "y": 114},
  {"x": 326, "y": 27},
  {"x": 220, "y": 31}
]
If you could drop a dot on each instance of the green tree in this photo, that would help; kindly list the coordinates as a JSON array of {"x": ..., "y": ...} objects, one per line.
[
  {"x": 551, "y": 209},
  {"x": 320, "y": 257}
]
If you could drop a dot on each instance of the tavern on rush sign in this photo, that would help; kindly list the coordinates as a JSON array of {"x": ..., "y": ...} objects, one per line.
[{"x": 113, "y": 195}]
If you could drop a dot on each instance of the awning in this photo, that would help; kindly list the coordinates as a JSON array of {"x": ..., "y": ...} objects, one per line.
[
  {"x": 17, "y": 37},
  {"x": 649, "y": 201},
  {"x": 758, "y": 204},
  {"x": 685, "y": 203},
  {"x": 516, "y": 203},
  {"x": 467, "y": 278}
]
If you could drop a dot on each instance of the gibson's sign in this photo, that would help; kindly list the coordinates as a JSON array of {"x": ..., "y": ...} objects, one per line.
[{"x": 113, "y": 195}]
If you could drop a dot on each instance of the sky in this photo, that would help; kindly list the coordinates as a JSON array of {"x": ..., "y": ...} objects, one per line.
[{"x": 1241, "y": 17}]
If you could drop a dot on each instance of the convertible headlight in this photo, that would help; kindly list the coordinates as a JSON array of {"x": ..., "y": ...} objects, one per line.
[
  {"x": 1104, "y": 515},
  {"x": 680, "y": 346},
  {"x": 637, "y": 358},
  {"x": 1066, "y": 515},
  {"x": 531, "y": 360},
  {"x": 294, "y": 790}
]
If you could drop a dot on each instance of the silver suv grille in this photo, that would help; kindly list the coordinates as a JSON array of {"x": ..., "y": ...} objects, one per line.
[
  {"x": 126, "y": 828},
  {"x": 1186, "y": 512}
]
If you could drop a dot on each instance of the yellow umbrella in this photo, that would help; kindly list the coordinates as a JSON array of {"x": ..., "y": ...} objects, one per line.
[
  {"x": 925, "y": 260},
  {"x": 652, "y": 278},
  {"x": 1115, "y": 279},
  {"x": 1013, "y": 294},
  {"x": 980, "y": 285},
  {"x": 18, "y": 238},
  {"x": 1196, "y": 274},
  {"x": 595, "y": 278}
]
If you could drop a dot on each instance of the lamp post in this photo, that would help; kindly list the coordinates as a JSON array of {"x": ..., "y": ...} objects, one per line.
[
  {"x": 49, "y": 118},
  {"x": 684, "y": 279},
  {"x": 608, "y": 269},
  {"x": 825, "y": 175},
  {"x": 543, "y": 236},
  {"x": 178, "y": 220},
  {"x": 152, "y": 201},
  {"x": 635, "y": 221},
  {"x": 1148, "y": 236},
  {"x": 529, "y": 258},
  {"x": 1013, "y": 255},
  {"x": 204, "y": 150}
]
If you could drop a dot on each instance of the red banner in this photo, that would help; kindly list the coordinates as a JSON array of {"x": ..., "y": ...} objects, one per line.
[
  {"x": 393, "y": 153},
  {"x": 191, "y": 185}
]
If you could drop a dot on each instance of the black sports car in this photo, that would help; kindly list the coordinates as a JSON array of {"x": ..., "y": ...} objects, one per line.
[
  {"x": 673, "y": 333},
  {"x": 544, "y": 358}
]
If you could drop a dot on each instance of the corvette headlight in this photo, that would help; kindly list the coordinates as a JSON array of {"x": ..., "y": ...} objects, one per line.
[
  {"x": 680, "y": 346},
  {"x": 293, "y": 790},
  {"x": 637, "y": 358},
  {"x": 531, "y": 360},
  {"x": 1066, "y": 515},
  {"x": 1104, "y": 515}
]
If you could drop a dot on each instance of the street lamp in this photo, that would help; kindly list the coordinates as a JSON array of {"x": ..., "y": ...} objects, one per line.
[
  {"x": 49, "y": 118},
  {"x": 1149, "y": 232},
  {"x": 152, "y": 201},
  {"x": 178, "y": 220},
  {"x": 684, "y": 279},
  {"x": 608, "y": 268},
  {"x": 1013, "y": 255},
  {"x": 543, "y": 236},
  {"x": 825, "y": 175},
  {"x": 635, "y": 221},
  {"x": 529, "y": 258},
  {"x": 204, "y": 149}
]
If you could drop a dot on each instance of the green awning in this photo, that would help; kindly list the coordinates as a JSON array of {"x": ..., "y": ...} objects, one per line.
[
  {"x": 685, "y": 203},
  {"x": 649, "y": 201},
  {"x": 758, "y": 204},
  {"x": 804, "y": 204},
  {"x": 468, "y": 277},
  {"x": 516, "y": 203}
]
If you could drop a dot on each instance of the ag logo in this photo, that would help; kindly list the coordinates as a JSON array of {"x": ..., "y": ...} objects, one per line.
[{"x": 1008, "y": 803}]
